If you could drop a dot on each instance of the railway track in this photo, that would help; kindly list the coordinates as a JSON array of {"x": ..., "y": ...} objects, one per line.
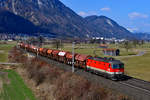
[
  {"x": 137, "y": 84},
  {"x": 134, "y": 88},
  {"x": 147, "y": 91}
]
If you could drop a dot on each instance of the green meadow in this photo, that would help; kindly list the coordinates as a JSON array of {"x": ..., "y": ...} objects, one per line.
[
  {"x": 14, "y": 87},
  {"x": 4, "y": 50}
]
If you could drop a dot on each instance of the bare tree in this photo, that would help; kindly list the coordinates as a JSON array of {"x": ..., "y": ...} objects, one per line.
[
  {"x": 142, "y": 42},
  {"x": 127, "y": 45},
  {"x": 41, "y": 40},
  {"x": 57, "y": 44},
  {"x": 135, "y": 43}
]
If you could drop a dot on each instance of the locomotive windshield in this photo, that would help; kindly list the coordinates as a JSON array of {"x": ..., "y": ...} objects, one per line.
[{"x": 117, "y": 66}]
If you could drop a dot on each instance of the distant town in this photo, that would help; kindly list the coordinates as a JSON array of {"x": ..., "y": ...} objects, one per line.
[{"x": 101, "y": 40}]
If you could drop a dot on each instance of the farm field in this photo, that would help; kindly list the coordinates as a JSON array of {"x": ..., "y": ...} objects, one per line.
[
  {"x": 91, "y": 49},
  {"x": 138, "y": 66},
  {"x": 13, "y": 87},
  {"x": 4, "y": 50}
]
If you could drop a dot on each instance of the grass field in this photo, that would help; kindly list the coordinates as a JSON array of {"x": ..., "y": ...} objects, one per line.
[
  {"x": 92, "y": 49},
  {"x": 138, "y": 66},
  {"x": 4, "y": 49},
  {"x": 14, "y": 88}
]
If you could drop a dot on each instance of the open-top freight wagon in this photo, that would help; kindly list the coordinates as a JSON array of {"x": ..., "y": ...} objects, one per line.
[
  {"x": 80, "y": 60},
  {"x": 49, "y": 53},
  {"x": 62, "y": 56}
]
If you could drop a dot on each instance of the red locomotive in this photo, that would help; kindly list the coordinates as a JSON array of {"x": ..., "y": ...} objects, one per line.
[{"x": 107, "y": 67}]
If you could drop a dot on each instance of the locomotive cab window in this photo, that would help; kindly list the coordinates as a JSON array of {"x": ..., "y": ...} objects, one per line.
[
  {"x": 121, "y": 65},
  {"x": 117, "y": 66}
]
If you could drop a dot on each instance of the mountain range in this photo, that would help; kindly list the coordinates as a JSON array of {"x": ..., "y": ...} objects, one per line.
[
  {"x": 9, "y": 22},
  {"x": 53, "y": 17},
  {"x": 142, "y": 36}
]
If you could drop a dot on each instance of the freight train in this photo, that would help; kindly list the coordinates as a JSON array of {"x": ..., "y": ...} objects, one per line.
[{"x": 107, "y": 67}]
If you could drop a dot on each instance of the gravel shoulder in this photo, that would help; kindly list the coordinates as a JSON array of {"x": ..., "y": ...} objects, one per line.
[{"x": 1, "y": 84}]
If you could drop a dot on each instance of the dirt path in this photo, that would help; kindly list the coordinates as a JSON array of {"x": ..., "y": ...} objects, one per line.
[
  {"x": 1, "y": 85},
  {"x": 2, "y": 63},
  {"x": 1, "y": 51},
  {"x": 141, "y": 53},
  {"x": 1, "y": 82}
]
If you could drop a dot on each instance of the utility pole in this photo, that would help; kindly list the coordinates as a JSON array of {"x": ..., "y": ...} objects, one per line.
[
  {"x": 73, "y": 44},
  {"x": 60, "y": 44},
  {"x": 37, "y": 52},
  {"x": 25, "y": 42}
]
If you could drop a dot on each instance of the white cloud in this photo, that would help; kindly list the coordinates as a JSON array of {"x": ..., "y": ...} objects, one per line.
[
  {"x": 81, "y": 13},
  {"x": 135, "y": 15},
  {"x": 105, "y": 9},
  {"x": 132, "y": 29},
  {"x": 84, "y": 14}
]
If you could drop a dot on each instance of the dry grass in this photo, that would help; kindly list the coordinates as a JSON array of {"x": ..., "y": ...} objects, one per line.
[
  {"x": 4, "y": 49},
  {"x": 65, "y": 85}
]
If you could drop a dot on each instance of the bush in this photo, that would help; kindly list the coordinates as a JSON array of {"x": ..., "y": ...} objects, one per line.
[{"x": 16, "y": 55}]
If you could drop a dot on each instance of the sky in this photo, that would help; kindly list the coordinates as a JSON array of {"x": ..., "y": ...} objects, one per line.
[{"x": 131, "y": 14}]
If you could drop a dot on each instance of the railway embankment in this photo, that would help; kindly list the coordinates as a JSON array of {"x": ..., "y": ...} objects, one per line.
[
  {"x": 52, "y": 80},
  {"x": 135, "y": 90},
  {"x": 41, "y": 70}
]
